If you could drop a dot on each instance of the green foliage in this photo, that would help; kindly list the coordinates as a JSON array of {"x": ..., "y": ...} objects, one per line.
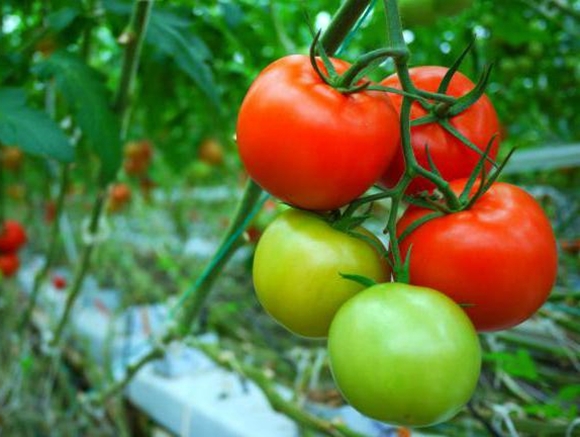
[
  {"x": 83, "y": 89},
  {"x": 30, "y": 129},
  {"x": 519, "y": 364}
]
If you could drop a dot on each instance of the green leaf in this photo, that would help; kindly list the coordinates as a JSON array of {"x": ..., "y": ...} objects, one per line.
[
  {"x": 520, "y": 364},
  {"x": 167, "y": 33},
  {"x": 62, "y": 18},
  {"x": 30, "y": 129},
  {"x": 362, "y": 280},
  {"x": 544, "y": 158},
  {"x": 83, "y": 89}
]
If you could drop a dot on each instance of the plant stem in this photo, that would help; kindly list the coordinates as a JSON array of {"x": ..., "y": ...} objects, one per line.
[
  {"x": 50, "y": 256},
  {"x": 230, "y": 242},
  {"x": 138, "y": 27},
  {"x": 342, "y": 22},
  {"x": 135, "y": 35},
  {"x": 83, "y": 266},
  {"x": 276, "y": 400}
]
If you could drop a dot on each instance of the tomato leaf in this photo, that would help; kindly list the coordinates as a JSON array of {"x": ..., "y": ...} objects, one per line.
[
  {"x": 30, "y": 129},
  {"x": 192, "y": 56},
  {"x": 362, "y": 280},
  {"x": 88, "y": 99}
]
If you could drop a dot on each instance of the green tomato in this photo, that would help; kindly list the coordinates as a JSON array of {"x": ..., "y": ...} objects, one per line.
[
  {"x": 404, "y": 354},
  {"x": 417, "y": 12},
  {"x": 297, "y": 267}
]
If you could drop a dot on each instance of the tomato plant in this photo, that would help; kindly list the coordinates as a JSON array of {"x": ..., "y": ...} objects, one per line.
[
  {"x": 12, "y": 236},
  {"x": 297, "y": 267},
  {"x": 404, "y": 354},
  {"x": 306, "y": 142},
  {"x": 498, "y": 258},
  {"x": 454, "y": 159},
  {"x": 9, "y": 264}
]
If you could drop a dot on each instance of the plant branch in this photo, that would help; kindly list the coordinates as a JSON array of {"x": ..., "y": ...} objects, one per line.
[{"x": 344, "y": 19}]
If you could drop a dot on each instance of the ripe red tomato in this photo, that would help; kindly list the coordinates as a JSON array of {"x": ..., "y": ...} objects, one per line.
[
  {"x": 499, "y": 257},
  {"x": 453, "y": 158},
  {"x": 403, "y": 354},
  {"x": 9, "y": 264},
  {"x": 310, "y": 145},
  {"x": 12, "y": 236},
  {"x": 297, "y": 268}
]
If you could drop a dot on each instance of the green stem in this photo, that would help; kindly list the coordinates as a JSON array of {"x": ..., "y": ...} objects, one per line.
[
  {"x": 83, "y": 266},
  {"x": 344, "y": 19},
  {"x": 229, "y": 244},
  {"x": 52, "y": 246},
  {"x": 276, "y": 400},
  {"x": 135, "y": 36}
]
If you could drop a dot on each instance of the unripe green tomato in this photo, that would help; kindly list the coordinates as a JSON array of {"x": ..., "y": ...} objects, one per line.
[
  {"x": 297, "y": 267},
  {"x": 404, "y": 354},
  {"x": 417, "y": 12},
  {"x": 451, "y": 7}
]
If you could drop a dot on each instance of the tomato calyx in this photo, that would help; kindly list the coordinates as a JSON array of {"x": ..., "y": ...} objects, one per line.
[{"x": 351, "y": 81}]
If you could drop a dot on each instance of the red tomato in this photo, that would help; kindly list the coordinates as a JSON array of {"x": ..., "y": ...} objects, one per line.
[
  {"x": 59, "y": 282},
  {"x": 453, "y": 158},
  {"x": 310, "y": 145},
  {"x": 9, "y": 264},
  {"x": 12, "y": 236},
  {"x": 499, "y": 258}
]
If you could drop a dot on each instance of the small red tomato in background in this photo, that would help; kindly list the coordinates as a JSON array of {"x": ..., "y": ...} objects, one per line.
[
  {"x": 12, "y": 158},
  {"x": 211, "y": 152},
  {"x": 138, "y": 156},
  {"x": 9, "y": 264},
  {"x": 455, "y": 160},
  {"x": 59, "y": 282},
  {"x": 119, "y": 196},
  {"x": 499, "y": 257},
  {"x": 310, "y": 145},
  {"x": 12, "y": 236}
]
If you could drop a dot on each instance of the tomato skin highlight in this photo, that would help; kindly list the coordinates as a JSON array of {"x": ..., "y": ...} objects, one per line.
[
  {"x": 12, "y": 236},
  {"x": 455, "y": 160},
  {"x": 499, "y": 257},
  {"x": 297, "y": 268},
  {"x": 308, "y": 144},
  {"x": 403, "y": 354}
]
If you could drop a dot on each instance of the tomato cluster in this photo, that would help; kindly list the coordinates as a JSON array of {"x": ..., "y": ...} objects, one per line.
[
  {"x": 402, "y": 353},
  {"x": 12, "y": 238}
]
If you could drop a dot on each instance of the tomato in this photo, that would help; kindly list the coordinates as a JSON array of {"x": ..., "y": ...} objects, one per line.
[
  {"x": 403, "y": 354},
  {"x": 211, "y": 152},
  {"x": 119, "y": 196},
  {"x": 297, "y": 268},
  {"x": 59, "y": 282},
  {"x": 499, "y": 257},
  {"x": 310, "y": 145},
  {"x": 12, "y": 158},
  {"x": 9, "y": 264},
  {"x": 12, "y": 236},
  {"x": 138, "y": 155},
  {"x": 453, "y": 158}
]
